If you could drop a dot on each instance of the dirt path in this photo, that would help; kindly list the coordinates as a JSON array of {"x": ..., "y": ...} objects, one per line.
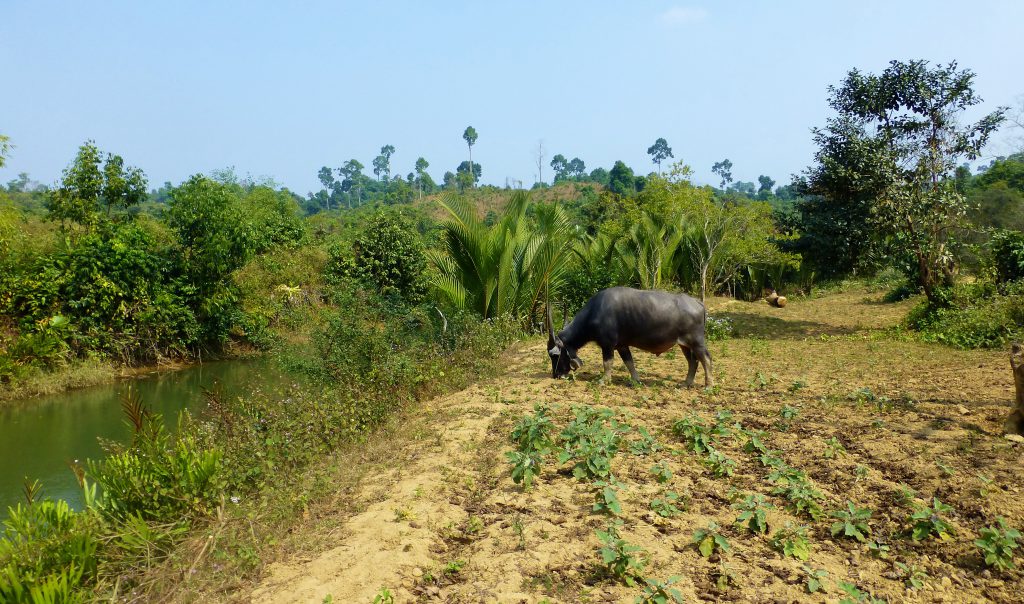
[{"x": 870, "y": 417}]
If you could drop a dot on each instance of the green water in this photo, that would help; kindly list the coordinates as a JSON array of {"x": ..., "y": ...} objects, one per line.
[{"x": 40, "y": 436}]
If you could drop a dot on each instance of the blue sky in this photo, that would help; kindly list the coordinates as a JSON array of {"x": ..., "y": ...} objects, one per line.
[{"x": 281, "y": 88}]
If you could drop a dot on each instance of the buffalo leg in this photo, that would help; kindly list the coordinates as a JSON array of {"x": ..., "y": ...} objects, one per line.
[
  {"x": 691, "y": 365},
  {"x": 701, "y": 353},
  {"x": 608, "y": 355},
  {"x": 627, "y": 358}
]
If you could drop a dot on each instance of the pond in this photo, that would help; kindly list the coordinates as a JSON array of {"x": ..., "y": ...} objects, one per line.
[{"x": 41, "y": 436}]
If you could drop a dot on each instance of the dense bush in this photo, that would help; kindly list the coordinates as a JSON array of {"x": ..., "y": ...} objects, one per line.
[
  {"x": 1008, "y": 255},
  {"x": 387, "y": 255},
  {"x": 974, "y": 315}
]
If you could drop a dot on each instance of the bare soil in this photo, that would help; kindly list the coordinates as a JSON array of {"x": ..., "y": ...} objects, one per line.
[{"x": 439, "y": 519}]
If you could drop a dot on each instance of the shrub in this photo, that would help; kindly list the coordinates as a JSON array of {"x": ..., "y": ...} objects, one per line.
[
  {"x": 387, "y": 255},
  {"x": 1008, "y": 255},
  {"x": 973, "y": 316}
]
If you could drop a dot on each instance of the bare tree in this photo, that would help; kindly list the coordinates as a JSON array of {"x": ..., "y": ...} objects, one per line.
[{"x": 540, "y": 155}]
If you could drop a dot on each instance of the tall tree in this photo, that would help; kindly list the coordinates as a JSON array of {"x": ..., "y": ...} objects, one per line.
[
  {"x": 560, "y": 165},
  {"x": 577, "y": 169},
  {"x": 468, "y": 177},
  {"x": 724, "y": 171},
  {"x": 912, "y": 112},
  {"x": 326, "y": 177},
  {"x": 659, "y": 152},
  {"x": 421, "y": 170},
  {"x": 470, "y": 137},
  {"x": 382, "y": 163},
  {"x": 86, "y": 189},
  {"x": 5, "y": 149},
  {"x": 766, "y": 183},
  {"x": 621, "y": 180},
  {"x": 352, "y": 175}
]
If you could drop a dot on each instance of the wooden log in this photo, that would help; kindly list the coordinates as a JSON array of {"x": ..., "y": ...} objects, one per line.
[
  {"x": 780, "y": 301},
  {"x": 1015, "y": 423}
]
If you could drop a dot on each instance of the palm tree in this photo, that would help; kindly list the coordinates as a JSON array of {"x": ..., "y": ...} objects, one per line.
[{"x": 503, "y": 269}]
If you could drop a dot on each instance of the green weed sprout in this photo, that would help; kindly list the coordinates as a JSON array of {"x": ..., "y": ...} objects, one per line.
[
  {"x": 852, "y": 522},
  {"x": 997, "y": 544}
]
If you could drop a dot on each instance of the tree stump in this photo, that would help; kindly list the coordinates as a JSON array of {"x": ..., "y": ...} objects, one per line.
[{"x": 1015, "y": 423}]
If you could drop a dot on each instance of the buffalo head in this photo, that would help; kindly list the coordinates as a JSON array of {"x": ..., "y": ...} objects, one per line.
[{"x": 563, "y": 359}]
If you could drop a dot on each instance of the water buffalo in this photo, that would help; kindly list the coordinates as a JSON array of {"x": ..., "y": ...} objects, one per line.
[{"x": 620, "y": 317}]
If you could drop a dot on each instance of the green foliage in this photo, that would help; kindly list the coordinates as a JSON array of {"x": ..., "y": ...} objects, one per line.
[
  {"x": 661, "y": 472},
  {"x": 930, "y": 521},
  {"x": 698, "y": 435},
  {"x": 644, "y": 444},
  {"x": 753, "y": 513},
  {"x": 157, "y": 476},
  {"x": 623, "y": 561},
  {"x": 815, "y": 576},
  {"x": 591, "y": 440},
  {"x": 534, "y": 432},
  {"x": 833, "y": 448},
  {"x": 606, "y": 497},
  {"x": 1008, "y": 255},
  {"x": 47, "y": 550},
  {"x": 526, "y": 466},
  {"x": 974, "y": 315},
  {"x": 87, "y": 191},
  {"x": 659, "y": 592},
  {"x": 855, "y": 595},
  {"x": 852, "y": 522},
  {"x": 792, "y": 542},
  {"x": 384, "y": 596},
  {"x": 505, "y": 269},
  {"x": 387, "y": 255},
  {"x": 717, "y": 329},
  {"x": 997, "y": 544},
  {"x": 708, "y": 540},
  {"x": 719, "y": 464},
  {"x": 914, "y": 576},
  {"x": 665, "y": 506}
]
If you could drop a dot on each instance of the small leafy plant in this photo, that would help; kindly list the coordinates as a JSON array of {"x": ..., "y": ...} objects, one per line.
[
  {"x": 623, "y": 561},
  {"x": 815, "y": 577},
  {"x": 661, "y": 472},
  {"x": 803, "y": 498},
  {"x": 913, "y": 576},
  {"x": 833, "y": 448},
  {"x": 719, "y": 464},
  {"x": 852, "y": 522},
  {"x": 997, "y": 544},
  {"x": 665, "y": 506},
  {"x": 659, "y": 592},
  {"x": 606, "y": 497},
  {"x": 695, "y": 433},
  {"x": 792, "y": 542},
  {"x": 708, "y": 540},
  {"x": 525, "y": 466},
  {"x": 879, "y": 548},
  {"x": 753, "y": 513},
  {"x": 930, "y": 522},
  {"x": 384, "y": 596},
  {"x": 533, "y": 432},
  {"x": 855, "y": 595},
  {"x": 644, "y": 444}
]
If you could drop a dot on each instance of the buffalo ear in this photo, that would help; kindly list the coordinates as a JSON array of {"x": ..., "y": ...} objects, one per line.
[{"x": 557, "y": 341}]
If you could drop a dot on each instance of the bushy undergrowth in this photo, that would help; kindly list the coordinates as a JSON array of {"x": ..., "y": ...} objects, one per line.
[
  {"x": 368, "y": 357},
  {"x": 972, "y": 315}
]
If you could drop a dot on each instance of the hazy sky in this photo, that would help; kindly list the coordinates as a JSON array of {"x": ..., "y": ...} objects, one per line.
[{"x": 282, "y": 88}]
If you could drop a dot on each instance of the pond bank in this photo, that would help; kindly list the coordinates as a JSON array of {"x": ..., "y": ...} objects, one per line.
[{"x": 94, "y": 372}]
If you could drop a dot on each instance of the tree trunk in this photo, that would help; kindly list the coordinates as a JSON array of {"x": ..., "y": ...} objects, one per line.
[{"x": 1015, "y": 423}]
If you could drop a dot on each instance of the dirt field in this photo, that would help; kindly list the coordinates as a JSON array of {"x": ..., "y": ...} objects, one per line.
[{"x": 437, "y": 516}]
